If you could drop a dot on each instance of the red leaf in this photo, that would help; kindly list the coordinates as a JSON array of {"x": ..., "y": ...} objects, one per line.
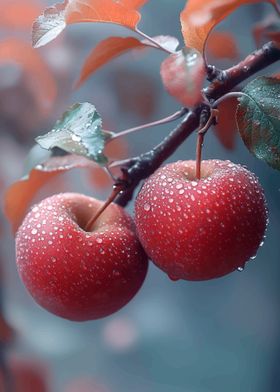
[
  {"x": 41, "y": 80},
  {"x": 226, "y": 129},
  {"x": 199, "y": 17},
  {"x": 19, "y": 195},
  {"x": 222, "y": 45},
  {"x": 183, "y": 74},
  {"x": 136, "y": 92},
  {"x": 267, "y": 29},
  {"x": 54, "y": 20},
  {"x": 105, "y": 51},
  {"x": 113, "y": 47},
  {"x": 18, "y": 14}
]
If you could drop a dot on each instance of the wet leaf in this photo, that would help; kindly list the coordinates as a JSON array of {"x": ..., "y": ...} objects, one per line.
[
  {"x": 183, "y": 74},
  {"x": 79, "y": 132},
  {"x": 113, "y": 47},
  {"x": 199, "y": 17},
  {"x": 258, "y": 119},
  {"x": 55, "y": 18}
]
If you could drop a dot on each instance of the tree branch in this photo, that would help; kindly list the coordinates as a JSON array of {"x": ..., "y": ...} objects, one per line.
[{"x": 143, "y": 166}]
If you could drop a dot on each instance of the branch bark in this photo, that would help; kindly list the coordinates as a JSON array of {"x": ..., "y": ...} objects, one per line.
[{"x": 143, "y": 166}]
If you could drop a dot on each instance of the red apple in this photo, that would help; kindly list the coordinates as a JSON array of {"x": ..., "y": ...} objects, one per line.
[
  {"x": 201, "y": 229},
  {"x": 73, "y": 273}
]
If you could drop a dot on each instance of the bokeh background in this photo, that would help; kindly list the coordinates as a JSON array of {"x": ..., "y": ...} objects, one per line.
[{"x": 214, "y": 336}]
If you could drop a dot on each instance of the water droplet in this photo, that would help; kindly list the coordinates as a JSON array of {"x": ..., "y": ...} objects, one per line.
[
  {"x": 76, "y": 138},
  {"x": 34, "y": 231},
  {"x": 99, "y": 240},
  {"x": 147, "y": 207},
  {"x": 240, "y": 269}
]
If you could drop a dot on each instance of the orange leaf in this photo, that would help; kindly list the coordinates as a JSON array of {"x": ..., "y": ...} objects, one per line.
[
  {"x": 18, "y": 14},
  {"x": 136, "y": 92},
  {"x": 183, "y": 74},
  {"x": 226, "y": 129},
  {"x": 20, "y": 194},
  {"x": 267, "y": 29},
  {"x": 113, "y": 47},
  {"x": 54, "y": 20},
  {"x": 105, "y": 51},
  {"x": 41, "y": 80},
  {"x": 199, "y": 17},
  {"x": 222, "y": 45}
]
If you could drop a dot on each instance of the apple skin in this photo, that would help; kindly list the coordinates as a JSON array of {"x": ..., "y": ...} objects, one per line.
[
  {"x": 201, "y": 229},
  {"x": 75, "y": 274}
]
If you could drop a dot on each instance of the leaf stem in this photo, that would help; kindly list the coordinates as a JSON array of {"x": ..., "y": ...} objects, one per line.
[
  {"x": 172, "y": 117},
  {"x": 154, "y": 42},
  {"x": 233, "y": 94}
]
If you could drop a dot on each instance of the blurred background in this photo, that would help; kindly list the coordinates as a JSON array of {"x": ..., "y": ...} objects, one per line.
[{"x": 214, "y": 336}]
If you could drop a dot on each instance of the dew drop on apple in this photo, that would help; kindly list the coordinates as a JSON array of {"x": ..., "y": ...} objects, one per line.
[
  {"x": 240, "y": 269},
  {"x": 147, "y": 207}
]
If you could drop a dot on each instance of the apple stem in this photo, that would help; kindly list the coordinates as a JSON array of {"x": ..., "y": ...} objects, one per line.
[
  {"x": 116, "y": 190},
  {"x": 199, "y": 145},
  {"x": 200, "y": 139}
]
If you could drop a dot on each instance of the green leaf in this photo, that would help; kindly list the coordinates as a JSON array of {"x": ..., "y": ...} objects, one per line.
[
  {"x": 258, "y": 119},
  {"x": 79, "y": 132}
]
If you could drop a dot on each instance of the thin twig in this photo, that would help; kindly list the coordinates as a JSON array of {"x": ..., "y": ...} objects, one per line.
[{"x": 172, "y": 117}]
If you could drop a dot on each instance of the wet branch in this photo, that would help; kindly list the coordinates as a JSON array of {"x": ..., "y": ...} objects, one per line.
[{"x": 222, "y": 82}]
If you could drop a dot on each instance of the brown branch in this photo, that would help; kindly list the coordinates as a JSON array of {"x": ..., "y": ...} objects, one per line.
[{"x": 143, "y": 166}]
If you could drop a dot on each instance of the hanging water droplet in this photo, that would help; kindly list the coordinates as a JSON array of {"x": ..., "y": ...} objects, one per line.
[{"x": 240, "y": 269}]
